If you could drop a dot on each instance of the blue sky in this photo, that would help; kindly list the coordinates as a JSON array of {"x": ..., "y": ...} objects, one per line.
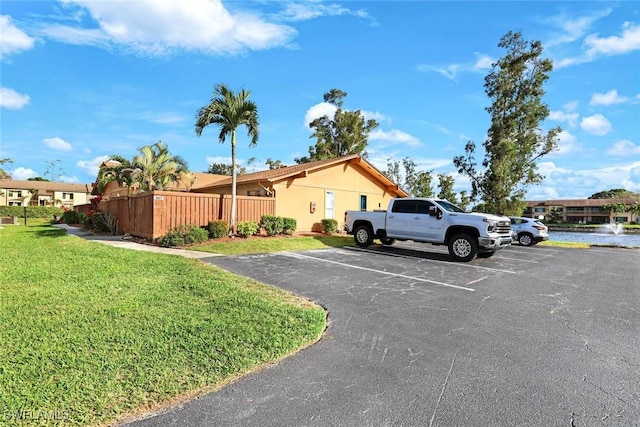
[{"x": 81, "y": 80}]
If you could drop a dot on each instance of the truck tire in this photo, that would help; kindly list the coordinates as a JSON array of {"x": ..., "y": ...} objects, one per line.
[
  {"x": 463, "y": 247},
  {"x": 525, "y": 239},
  {"x": 387, "y": 241},
  {"x": 363, "y": 235}
]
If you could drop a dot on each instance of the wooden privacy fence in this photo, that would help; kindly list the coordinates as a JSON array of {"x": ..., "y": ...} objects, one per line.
[{"x": 153, "y": 214}]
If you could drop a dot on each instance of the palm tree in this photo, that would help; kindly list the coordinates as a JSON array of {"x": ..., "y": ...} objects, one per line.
[
  {"x": 230, "y": 111},
  {"x": 119, "y": 169},
  {"x": 155, "y": 168},
  {"x": 635, "y": 209}
]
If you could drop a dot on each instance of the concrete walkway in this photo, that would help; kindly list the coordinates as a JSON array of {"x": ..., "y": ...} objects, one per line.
[{"x": 120, "y": 242}]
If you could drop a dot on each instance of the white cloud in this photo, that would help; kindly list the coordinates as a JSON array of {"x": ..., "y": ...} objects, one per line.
[
  {"x": 623, "y": 148},
  {"x": 72, "y": 179},
  {"x": 14, "y": 40},
  {"x": 57, "y": 144},
  {"x": 450, "y": 71},
  {"x": 560, "y": 116},
  {"x": 571, "y": 106},
  {"x": 627, "y": 42},
  {"x": 220, "y": 159},
  {"x": 22, "y": 174},
  {"x": 158, "y": 27},
  {"x": 567, "y": 143},
  {"x": 311, "y": 10},
  {"x": 609, "y": 98},
  {"x": 596, "y": 125},
  {"x": 483, "y": 62},
  {"x": 577, "y": 184},
  {"x": 374, "y": 115},
  {"x": 91, "y": 167},
  {"x": 394, "y": 136},
  {"x": 572, "y": 28},
  {"x": 319, "y": 110},
  {"x": 12, "y": 100}
]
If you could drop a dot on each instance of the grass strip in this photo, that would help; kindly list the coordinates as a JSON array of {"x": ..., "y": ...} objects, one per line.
[
  {"x": 92, "y": 333},
  {"x": 239, "y": 246}
]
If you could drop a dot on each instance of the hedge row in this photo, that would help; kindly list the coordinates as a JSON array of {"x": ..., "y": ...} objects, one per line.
[{"x": 32, "y": 211}]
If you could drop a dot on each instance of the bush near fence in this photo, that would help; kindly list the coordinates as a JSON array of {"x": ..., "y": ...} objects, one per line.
[{"x": 32, "y": 211}]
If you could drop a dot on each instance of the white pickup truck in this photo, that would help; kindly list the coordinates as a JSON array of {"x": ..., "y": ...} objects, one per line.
[{"x": 435, "y": 221}]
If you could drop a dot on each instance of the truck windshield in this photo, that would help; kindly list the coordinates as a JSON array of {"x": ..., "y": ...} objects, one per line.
[{"x": 448, "y": 206}]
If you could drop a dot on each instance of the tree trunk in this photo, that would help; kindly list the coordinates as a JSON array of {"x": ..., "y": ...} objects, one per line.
[{"x": 232, "y": 219}]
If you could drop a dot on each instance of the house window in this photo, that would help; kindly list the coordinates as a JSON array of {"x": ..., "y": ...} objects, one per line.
[
  {"x": 14, "y": 193},
  {"x": 67, "y": 196},
  {"x": 15, "y": 203},
  {"x": 329, "y": 204},
  {"x": 537, "y": 210},
  {"x": 363, "y": 202}
]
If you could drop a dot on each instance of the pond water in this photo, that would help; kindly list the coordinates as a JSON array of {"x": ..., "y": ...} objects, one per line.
[{"x": 631, "y": 239}]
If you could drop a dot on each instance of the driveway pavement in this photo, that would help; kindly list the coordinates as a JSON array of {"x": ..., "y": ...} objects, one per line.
[{"x": 534, "y": 336}]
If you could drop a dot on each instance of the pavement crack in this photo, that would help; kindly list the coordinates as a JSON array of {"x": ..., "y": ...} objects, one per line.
[
  {"x": 482, "y": 303},
  {"x": 444, "y": 386}
]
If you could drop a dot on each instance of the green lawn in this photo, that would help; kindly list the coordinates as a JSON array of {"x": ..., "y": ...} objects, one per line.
[
  {"x": 274, "y": 244},
  {"x": 90, "y": 333}
]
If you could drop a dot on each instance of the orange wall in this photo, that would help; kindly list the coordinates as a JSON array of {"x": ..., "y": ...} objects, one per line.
[{"x": 293, "y": 197}]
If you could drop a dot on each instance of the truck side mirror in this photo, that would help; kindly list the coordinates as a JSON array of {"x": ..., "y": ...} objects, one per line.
[{"x": 434, "y": 211}]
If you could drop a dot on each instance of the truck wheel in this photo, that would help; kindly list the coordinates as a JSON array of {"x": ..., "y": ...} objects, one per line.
[
  {"x": 387, "y": 241},
  {"x": 463, "y": 247},
  {"x": 525, "y": 239},
  {"x": 363, "y": 236}
]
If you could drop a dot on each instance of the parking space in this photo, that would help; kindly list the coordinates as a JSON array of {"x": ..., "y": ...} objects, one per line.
[{"x": 533, "y": 336}]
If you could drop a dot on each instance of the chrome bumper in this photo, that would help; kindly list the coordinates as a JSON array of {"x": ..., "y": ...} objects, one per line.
[{"x": 494, "y": 243}]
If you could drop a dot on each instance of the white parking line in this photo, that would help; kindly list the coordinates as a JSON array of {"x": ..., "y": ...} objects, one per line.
[
  {"x": 532, "y": 261},
  {"x": 301, "y": 256},
  {"x": 460, "y": 264}
]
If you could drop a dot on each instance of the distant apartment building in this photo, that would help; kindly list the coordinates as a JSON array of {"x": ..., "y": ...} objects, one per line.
[
  {"x": 44, "y": 193},
  {"x": 580, "y": 211}
]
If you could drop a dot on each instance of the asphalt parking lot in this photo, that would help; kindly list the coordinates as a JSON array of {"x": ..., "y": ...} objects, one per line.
[{"x": 534, "y": 336}]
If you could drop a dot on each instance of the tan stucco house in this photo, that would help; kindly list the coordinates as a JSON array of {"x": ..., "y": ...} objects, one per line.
[
  {"x": 45, "y": 193},
  {"x": 314, "y": 191},
  {"x": 583, "y": 211}
]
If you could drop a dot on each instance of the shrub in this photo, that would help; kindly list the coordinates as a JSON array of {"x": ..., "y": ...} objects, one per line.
[
  {"x": 184, "y": 235},
  {"x": 103, "y": 222},
  {"x": 289, "y": 225},
  {"x": 69, "y": 217},
  {"x": 273, "y": 225},
  {"x": 82, "y": 218},
  {"x": 329, "y": 225},
  {"x": 197, "y": 235},
  {"x": 32, "y": 211},
  {"x": 217, "y": 229},
  {"x": 247, "y": 228}
]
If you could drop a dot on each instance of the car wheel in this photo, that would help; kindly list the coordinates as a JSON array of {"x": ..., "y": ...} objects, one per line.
[
  {"x": 363, "y": 236},
  {"x": 525, "y": 239},
  {"x": 486, "y": 254},
  {"x": 463, "y": 247},
  {"x": 387, "y": 241}
]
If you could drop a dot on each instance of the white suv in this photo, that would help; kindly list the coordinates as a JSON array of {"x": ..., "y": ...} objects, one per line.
[{"x": 530, "y": 231}]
